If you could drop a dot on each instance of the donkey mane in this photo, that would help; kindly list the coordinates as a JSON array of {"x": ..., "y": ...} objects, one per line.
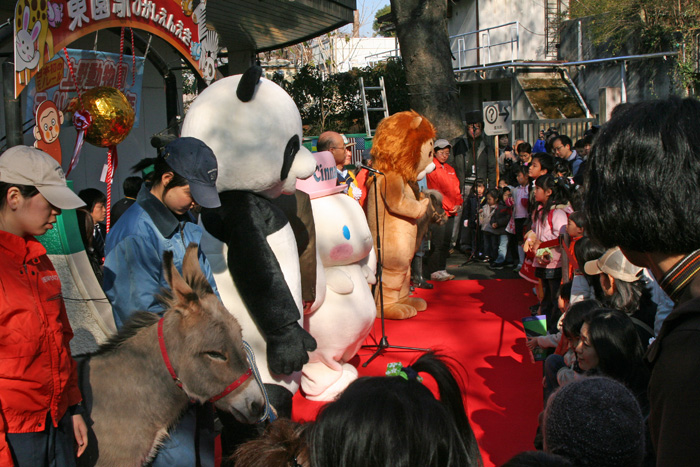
[
  {"x": 434, "y": 194},
  {"x": 138, "y": 321}
]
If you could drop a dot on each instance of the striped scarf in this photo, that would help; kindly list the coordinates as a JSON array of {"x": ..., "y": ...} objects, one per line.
[{"x": 680, "y": 275}]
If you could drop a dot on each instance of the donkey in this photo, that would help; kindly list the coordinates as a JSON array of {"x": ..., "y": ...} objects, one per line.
[
  {"x": 435, "y": 214},
  {"x": 140, "y": 382}
]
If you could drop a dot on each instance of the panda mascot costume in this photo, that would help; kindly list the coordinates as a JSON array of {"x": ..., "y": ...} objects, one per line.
[{"x": 254, "y": 129}]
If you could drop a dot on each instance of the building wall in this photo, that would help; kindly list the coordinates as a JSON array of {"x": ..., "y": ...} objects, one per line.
[
  {"x": 351, "y": 52},
  {"x": 529, "y": 13},
  {"x": 473, "y": 94},
  {"x": 645, "y": 79}
]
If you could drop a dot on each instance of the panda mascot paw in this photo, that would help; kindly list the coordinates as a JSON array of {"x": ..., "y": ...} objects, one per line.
[{"x": 288, "y": 347}]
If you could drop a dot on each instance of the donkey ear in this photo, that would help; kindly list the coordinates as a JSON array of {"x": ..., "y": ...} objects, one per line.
[
  {"x": 192, "y": 271},
  {"x": 181, "y": 290}
]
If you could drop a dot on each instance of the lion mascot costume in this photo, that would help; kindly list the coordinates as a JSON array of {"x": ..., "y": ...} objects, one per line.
[{"x": 402, "y": 149}]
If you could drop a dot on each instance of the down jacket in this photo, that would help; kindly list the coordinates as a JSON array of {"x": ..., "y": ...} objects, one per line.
[{"x": 37, "y": 373}]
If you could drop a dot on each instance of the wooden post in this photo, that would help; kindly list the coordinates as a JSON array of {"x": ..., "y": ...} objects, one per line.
[{"x": 498, "y": 170}]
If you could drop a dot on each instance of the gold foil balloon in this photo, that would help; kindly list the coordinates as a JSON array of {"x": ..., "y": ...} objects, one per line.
[{"x": 112, "y": 116}]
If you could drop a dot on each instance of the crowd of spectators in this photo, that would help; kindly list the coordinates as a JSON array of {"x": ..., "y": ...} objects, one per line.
[
  {"x": 607, "y": 229},
  {"x": 594, "y": 224}
]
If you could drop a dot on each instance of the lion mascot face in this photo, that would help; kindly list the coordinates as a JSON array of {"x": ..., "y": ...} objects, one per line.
[{"x": 403, "y": 144}]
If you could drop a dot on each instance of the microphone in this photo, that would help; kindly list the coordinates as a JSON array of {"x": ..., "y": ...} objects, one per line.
[{"x": 370, "y": 169}]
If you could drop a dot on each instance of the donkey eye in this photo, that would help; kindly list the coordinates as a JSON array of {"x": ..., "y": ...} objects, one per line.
[{"x": 215, "y": 355}]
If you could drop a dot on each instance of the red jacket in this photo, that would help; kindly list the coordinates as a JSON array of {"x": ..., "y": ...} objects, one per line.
[
  {"x": 361, "y": 181},
  {"x": 444, "y": 179},
  {"x": 37, "y": 373}
]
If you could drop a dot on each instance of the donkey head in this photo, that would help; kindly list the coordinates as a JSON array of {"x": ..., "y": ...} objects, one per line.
[
  {"x": 435, "y": 210},
  {"x": 204, "y": 341}
]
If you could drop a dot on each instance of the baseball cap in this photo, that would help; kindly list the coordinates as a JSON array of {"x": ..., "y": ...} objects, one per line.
[
  {"x": 346, "y": 141},
  {"x": 474, "y": 116},
  {"x": 195, "y": 161},
  {"x": 24, "y": 165},
  {"x": 613, "y": 262},
  {"x": 442, "y": 143}
]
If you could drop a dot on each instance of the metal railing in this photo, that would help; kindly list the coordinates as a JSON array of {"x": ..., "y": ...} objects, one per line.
[
  {"x": 379, "y": 57},
  {"x": 469, "y": 52},
  {"x": 498, "y": 43},
  {"x": 574, "y": 128}
]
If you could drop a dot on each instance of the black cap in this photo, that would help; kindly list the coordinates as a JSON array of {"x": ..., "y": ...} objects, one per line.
[
  {"x": 474, "y": 116},
  {"x": 195, "y": 161}
]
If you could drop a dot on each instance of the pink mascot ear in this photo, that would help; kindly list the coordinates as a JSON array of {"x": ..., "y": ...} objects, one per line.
[{"x": 415, "y": 123}]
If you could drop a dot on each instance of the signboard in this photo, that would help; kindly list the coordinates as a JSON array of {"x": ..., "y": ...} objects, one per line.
[
  {"x": 43, "y": 28},
  {"x": 498, "y": 117},
  {"x": 92, "y": 69}
]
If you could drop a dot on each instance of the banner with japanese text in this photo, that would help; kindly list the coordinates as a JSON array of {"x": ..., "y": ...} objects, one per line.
[
  {"x": 92, "y": 69},
  {"x": 43, "y": 28}
]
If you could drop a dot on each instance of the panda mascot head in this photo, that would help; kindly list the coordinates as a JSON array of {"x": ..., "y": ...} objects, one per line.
[{"x": 254, "y": 129}]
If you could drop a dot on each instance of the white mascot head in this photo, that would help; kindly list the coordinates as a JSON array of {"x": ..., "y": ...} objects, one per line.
[{"x": 254, "y": 129}]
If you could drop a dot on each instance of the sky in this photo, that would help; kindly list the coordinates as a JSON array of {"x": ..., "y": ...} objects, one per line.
[{"x": 367, "y": 10}]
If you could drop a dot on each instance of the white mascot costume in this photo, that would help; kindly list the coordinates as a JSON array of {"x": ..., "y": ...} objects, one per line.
[
  {"x": 341, "y": 321},
  {"x": 254, "y": 129}
]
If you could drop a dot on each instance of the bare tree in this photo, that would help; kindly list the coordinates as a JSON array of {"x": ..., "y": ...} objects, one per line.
[{"x": 421, "y": 27}]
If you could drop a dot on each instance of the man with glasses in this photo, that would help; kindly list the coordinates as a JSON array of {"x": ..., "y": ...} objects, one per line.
[
  {"x": 339, "y": 146},
  {"x": 561, "y": 148}
]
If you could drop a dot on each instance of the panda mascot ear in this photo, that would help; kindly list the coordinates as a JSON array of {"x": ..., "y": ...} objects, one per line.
[
  {"x": 290, "y": 153},
  {"x": 248, "y": 82}
]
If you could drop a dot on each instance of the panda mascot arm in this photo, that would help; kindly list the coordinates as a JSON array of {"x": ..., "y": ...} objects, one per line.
[{"x": 243, "y": 222}]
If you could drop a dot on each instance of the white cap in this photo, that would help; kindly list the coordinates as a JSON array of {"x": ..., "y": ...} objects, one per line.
[
  {"x": 613, "y": 262},
  {"x": 346, "y": 142},
  {"x": 441, "y": 144},
  {"x": 24, "y": 165}
]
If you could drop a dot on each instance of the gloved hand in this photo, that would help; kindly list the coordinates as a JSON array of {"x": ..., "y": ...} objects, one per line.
[
  {"x": 287, "y": 349},
  {"x": 356, "y": 192}
]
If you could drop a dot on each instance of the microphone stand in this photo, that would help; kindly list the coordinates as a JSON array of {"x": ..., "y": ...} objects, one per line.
[{"x": 384, "y": 341}]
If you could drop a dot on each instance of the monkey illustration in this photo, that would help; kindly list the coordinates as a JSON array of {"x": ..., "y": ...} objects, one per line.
[{"x": 48, "y": 126}]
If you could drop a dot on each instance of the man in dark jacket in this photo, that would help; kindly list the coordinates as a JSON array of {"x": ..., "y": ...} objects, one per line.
[
  {"x": 473, "y": 156},
  {"x": 652, "y": 146},
  {"x": 131, "y": 186}
]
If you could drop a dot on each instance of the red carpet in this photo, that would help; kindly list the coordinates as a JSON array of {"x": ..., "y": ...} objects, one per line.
[{"x": 478, "y": 324}]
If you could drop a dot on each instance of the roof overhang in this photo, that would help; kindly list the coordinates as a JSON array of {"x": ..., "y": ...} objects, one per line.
[{"x": 261, "y": 25}]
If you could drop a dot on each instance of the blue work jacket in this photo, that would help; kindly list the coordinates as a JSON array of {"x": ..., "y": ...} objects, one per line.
[{"x": 133, "y": 270}]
